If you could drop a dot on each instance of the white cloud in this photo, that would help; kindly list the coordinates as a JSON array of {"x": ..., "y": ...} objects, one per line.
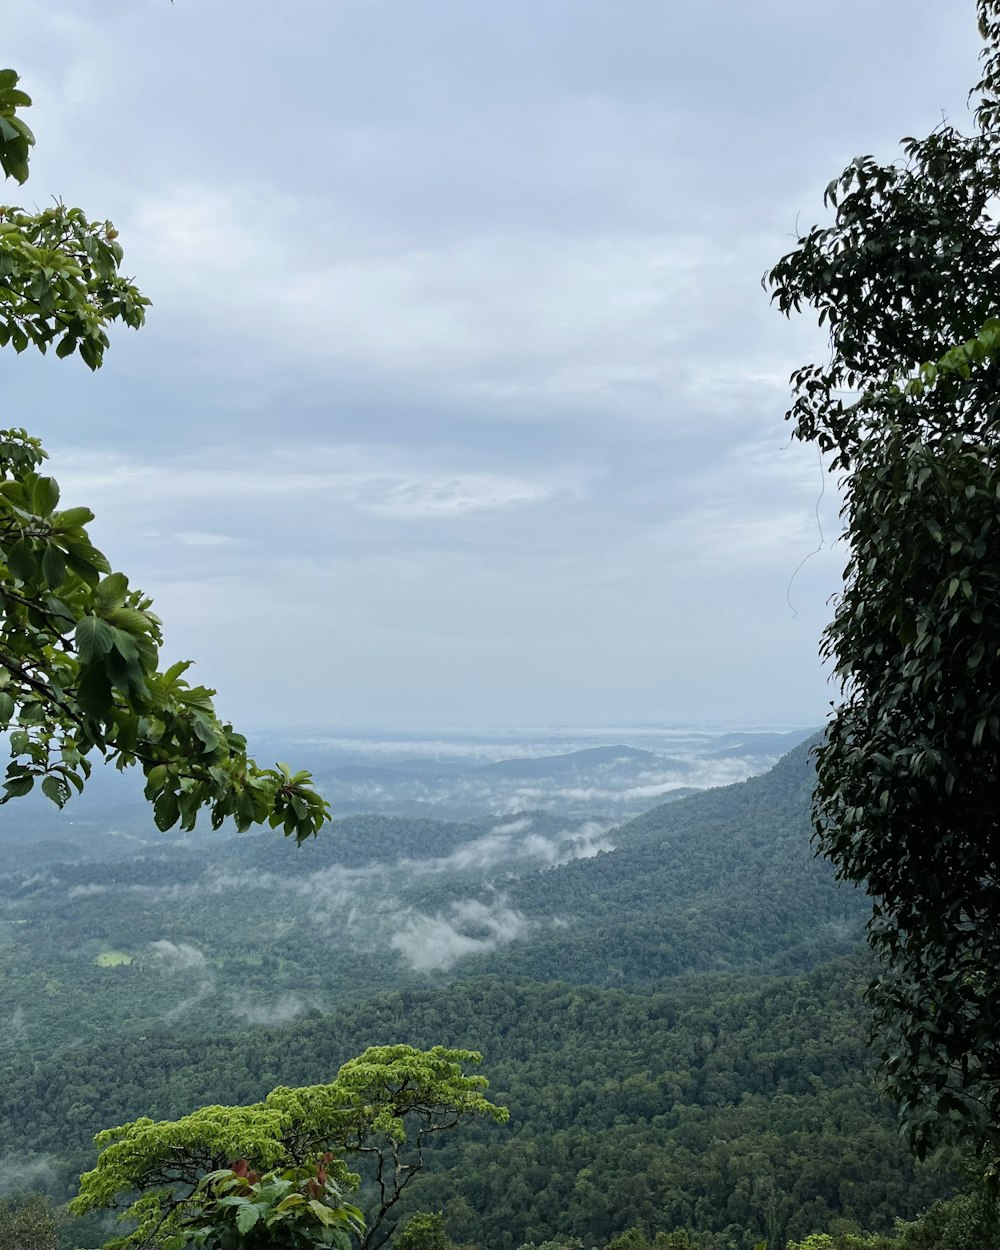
[
  {"x": 432, "y": 943},
  {"x": 525, "y": 310},
  {"x": 18, "y": 1174},
  {"x": 286, "y": 1008},
  {"x": 83, "y": 891},
  {"x": 205, "y": 989},
  {"x": 179, "y": 955},
  {"x": 349, "y": 477}
]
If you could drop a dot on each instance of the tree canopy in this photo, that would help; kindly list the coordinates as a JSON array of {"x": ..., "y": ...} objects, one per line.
[
  {"x": 79, "y": 646},
  {"x": 381, "y": 1108},
  {"x": 909, "y": 772}
]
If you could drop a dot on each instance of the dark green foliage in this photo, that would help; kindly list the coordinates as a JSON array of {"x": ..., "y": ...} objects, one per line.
[
  {"x": 424, "y": 1230},
  {"x": 717, "y": 1102},
  {"x": 725, "y": 879},
  {"x": 27, "y": 1222},
  {"x": 908, "y": 790},
  {"x": 291, "y": 1208},
  {"x": 16, "y": 138}
]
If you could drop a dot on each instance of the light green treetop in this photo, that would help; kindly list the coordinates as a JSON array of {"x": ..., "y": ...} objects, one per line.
[{"x": 381, "y": 1106}]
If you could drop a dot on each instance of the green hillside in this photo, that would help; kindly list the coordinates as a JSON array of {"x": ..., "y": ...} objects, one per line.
[{"x": 720, "y": 1102}]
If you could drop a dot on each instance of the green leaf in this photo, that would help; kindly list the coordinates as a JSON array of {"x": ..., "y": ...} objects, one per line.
[
  {"x": 17, "y": 787},
  {"x": 94, "y": 639},
  {"x": 56, "y": 789},
  {"x": 324, "y": 1214},
  {"x": 72, "y": 518},
  {"x": 31, "y": 714},
  {"x": 247, "y": 1217},
  {"x": 293, "y": 1200},
  {"x": 22, "y": 560},
  {"x": 53, "y": 567},
  {"x": 166, "y": 810},
  {"x": 111, "y": 592},
  {"x": 45, "y": 495}
]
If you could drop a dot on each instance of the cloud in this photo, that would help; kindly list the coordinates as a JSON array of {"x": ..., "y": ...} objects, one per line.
[
  {"x": 286, "y": 1008},
  {"x": 13, "y": 1026},
  {"x": 84, "y": 891},
  {"x": 476, "y": 246},
  {"x": 512, "y": 826},
  {"x": 206, "y": 988},
  {"x": 509, "y": 309},
  {"x": 18, "y": 1174},
  {"x": 346, "y": 478},
  {"x": 197, "y": 538},
  {"x": 178, "y": 955},
  {"x": 433, "y": 943}
]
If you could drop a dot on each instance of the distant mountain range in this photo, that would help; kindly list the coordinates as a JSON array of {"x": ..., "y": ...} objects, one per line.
[{"x": 444, "y": 779}]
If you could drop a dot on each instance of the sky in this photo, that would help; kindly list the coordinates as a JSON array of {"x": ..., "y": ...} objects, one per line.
[{"x": 460, "y": 402}]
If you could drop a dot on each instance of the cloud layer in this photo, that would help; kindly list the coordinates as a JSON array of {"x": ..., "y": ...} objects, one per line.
[{"x": 458, "y": 378}]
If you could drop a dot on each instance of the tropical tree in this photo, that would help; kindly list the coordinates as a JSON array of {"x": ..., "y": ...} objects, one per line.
[
  {"x": 79, "y": 646},
  {"x": 256, "y": 1171},
  {"x": 908, "y": 775},
  {"x": 424, "y": 1230},
  {"x": 27, "y": 1222}
]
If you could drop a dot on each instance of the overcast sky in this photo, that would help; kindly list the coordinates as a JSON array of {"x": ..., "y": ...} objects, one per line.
[{"x": 460, "y": 401}]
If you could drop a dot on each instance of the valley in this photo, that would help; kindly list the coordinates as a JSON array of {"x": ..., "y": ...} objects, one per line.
[{"x": 670, "y": 1005}]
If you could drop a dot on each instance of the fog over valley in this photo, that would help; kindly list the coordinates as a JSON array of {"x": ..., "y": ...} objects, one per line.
[{"x": 203, "y": 928}]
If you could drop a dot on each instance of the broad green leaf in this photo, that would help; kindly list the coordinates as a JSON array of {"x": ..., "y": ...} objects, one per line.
[
  {"x": 17, "y": 787},
  {"x": 56, "y": 789},
  {"x": 111, "y": 592},
  {"x": 246, "y": 1218},
  {"x": 23, "y": 560},
  {"x": 94, "y": 639},
  {"x": 45, "y": 496},
  {"x": 53, "y": 567}
]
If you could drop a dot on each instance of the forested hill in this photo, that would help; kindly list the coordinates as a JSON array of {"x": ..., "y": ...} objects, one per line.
[
  {"x": 202, "y": 937},
  {"x": 726, "y": 879},
  {"x": 725, "y": 1103},
  {"x": 620, "y": 980}
]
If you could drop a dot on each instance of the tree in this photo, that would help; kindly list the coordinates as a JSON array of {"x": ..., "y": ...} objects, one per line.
[
  {"x": 424, "y": 1230},
  {"x": 27, "y": 1222},
  {"x": 79, "y": 647},
  {"x": 193, "y": 1173},
  {"x": 908, "y": 776}
]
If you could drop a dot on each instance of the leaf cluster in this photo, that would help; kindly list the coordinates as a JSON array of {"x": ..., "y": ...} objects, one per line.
[
  {"x": 291, "y": 1208},
  {"x": 79, "y": 647},
  {"x": 909, "y": 773},
  {"x": 79, "y": 656},
  {"x": 16, "y": 139},
  {"x": 60, "y": 279}
]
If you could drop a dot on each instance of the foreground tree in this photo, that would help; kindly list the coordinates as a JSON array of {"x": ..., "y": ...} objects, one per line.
[
  {"x": 226, "y": 1173},
  {"x": 79, "y": 647},
  {"x": 908, "y": 791}
]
